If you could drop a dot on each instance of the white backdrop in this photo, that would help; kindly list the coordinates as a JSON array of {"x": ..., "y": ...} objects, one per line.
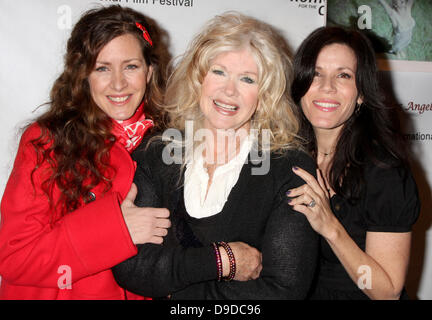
[
  {"x": 412, "y": 90},
  {"x": 33, "y": 34}
]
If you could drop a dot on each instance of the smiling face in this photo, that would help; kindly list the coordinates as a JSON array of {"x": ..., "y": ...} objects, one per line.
[
  {"x": 229, "y": 92},
  {"x": 332, "y": 96},
  {"x": 119, "y": 79}
]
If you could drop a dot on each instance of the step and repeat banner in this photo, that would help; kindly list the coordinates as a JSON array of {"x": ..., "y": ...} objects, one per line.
[{"x": 33, "y": 36}]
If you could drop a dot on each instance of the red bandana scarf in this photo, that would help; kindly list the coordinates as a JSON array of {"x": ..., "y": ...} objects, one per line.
[{"x": 131, "y": 131}]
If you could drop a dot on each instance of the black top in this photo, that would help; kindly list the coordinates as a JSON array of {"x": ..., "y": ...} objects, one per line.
[
  {"x": 256, "y": 212},
  {"x": 389, "y": 203}
]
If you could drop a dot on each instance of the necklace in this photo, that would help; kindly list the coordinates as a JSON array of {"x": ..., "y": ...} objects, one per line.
[{"x": 325, "y": 154}]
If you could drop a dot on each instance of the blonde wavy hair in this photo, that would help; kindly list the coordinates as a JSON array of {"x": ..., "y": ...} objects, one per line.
[{"x": 233, "y": 31}]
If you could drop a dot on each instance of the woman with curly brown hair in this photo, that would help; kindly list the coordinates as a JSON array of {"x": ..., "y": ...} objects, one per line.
[{"x": 67, "y": 210}]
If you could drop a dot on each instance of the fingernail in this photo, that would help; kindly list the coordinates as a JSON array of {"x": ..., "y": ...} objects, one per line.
[
  {"x": 295, "y": 168},
  {"x": 287, "y": 193},
  {"x": 289, "y": 201}
]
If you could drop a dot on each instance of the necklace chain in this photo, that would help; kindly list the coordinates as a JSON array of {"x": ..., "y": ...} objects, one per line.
[{"x": 325, "y": 154}]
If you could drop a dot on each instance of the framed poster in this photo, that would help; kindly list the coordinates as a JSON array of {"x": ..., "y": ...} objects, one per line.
[{"x": 400, "y": 30}]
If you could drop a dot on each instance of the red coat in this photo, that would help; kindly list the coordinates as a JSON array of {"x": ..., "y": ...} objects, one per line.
[{"x": 38, "y": 260}]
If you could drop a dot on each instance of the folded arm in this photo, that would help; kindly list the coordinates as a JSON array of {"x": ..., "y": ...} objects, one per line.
[
  {"x": 290, "y": 250},
  {"x": 33, "y": 250}
]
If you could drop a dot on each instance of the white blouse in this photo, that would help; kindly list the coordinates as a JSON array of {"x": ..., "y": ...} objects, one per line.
[{"x": 224, "y": 178}]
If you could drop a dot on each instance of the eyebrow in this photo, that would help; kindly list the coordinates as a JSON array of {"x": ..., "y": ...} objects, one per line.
[
  {"x": 338, "y": 69},
  {"x": 125, "y": 61},
  {"x": 223, "y": 67},
  {"x": 249, "y": 72}
]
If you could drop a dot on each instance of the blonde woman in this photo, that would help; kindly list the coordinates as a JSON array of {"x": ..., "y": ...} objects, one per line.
[{"x": 228, "y": 99}]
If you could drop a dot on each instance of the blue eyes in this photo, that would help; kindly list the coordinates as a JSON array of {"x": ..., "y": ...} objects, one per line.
[
  {"x": 218, "y": 72},
  {"x": 248, "y": 80},
  {"x": 132, "y": 66},
  {"x": 128, "y": 67},
  {"x": 245, "y": 79},
  {"x": 101, "y": 69}
]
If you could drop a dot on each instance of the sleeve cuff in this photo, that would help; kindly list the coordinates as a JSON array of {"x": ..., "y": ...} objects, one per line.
[{"x": 389, "y": 229}]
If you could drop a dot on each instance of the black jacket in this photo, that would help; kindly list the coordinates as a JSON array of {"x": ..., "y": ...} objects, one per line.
[{"x": 256, "y": 212}]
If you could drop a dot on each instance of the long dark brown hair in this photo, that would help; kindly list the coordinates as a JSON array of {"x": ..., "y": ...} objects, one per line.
[
  {"x": 75, "y": 133},
  {"x": 372, "y": 133}
]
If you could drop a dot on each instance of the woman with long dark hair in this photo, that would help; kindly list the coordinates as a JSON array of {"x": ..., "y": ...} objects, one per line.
[
  {"x": 67, "y": 210},
  {"x": 364, "y": 200}
]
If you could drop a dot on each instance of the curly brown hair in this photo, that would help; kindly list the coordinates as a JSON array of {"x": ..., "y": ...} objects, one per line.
[{"x": 76, "y": 134}]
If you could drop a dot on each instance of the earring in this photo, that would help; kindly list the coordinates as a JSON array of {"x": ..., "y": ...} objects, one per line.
[{"x": 357, "y": 108}]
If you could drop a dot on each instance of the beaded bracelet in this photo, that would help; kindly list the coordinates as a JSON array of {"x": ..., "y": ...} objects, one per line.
[
  {"x": 232, "y": 261},
  {"x": 218, "y": 261}
]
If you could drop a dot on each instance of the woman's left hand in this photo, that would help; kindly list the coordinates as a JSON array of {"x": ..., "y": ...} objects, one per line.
[{"x": 313, "y": 200}]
